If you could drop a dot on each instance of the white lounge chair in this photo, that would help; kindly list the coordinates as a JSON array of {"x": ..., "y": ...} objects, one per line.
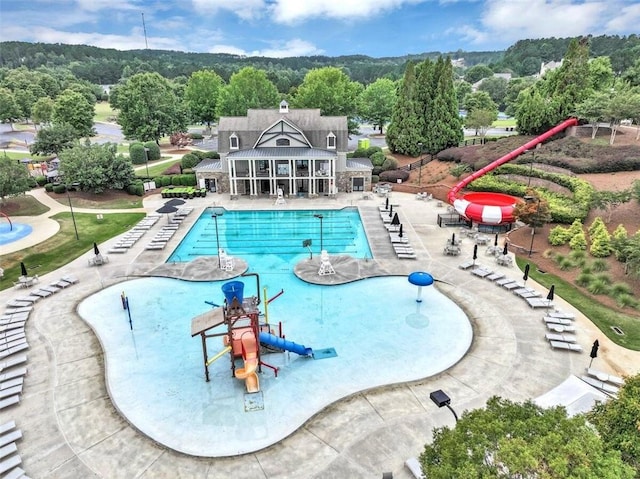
[
  {"x": 561, "y": 328},
  {"x": 568, "y": 346},
  {"x": 539, "y": 303},
  {"x": 603, "y": 386},
  {"x": 561, "y": 315},
  {"x": 565, "y": 338},
  {"x": 561, "y": 322},
  {"x": 414, "y": 467},
  {"x": 605, "y": 377}
]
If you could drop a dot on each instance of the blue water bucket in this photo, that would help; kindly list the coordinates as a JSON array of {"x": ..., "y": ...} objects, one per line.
[{"x": 233, "y": 289}]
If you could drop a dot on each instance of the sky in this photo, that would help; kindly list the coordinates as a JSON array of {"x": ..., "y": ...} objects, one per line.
[{"x": 286, "y": 28}]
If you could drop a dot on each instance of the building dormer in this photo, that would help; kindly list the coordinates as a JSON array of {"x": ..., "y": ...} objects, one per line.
[
  {"x": 234, "y": 144},
  {"x": 331, "y": 141},
  {"x": 284, "y": 107}
]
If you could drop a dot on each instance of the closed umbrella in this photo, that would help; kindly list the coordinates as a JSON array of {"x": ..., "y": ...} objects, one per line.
[
  {"x": 23, "y": 269},
  {"x": 526, "y": 273},
  {"x": 386, "y": 203},
  {"x": 495, "y": 241},
  {"x": 396, "y": 220},
  {"x": 453, "y": 239},
  {"x": 594, "y": 351},
  {"x": 505, "y": 250},
  {"x": 96, "y": 251},
  {"x": 475, "y": 254},
  {"x": 551, "y": 291},
  {"x": 390, "y": 211},
  {"x": 400, "y": 232}
]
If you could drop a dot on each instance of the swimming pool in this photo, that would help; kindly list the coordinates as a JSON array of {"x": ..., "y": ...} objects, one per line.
[
  {"x": 155, "y": 372},
  {"x": 279, "y": 233}
]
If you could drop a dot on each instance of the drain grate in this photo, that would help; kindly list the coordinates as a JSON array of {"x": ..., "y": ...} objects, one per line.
[{"x": 617, "y": 330}]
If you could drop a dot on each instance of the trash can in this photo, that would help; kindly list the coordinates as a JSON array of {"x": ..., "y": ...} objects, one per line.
[{"x": 233, "y": 289}]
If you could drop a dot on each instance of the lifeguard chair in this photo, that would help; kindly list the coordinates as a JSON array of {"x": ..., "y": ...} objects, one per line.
[{"x": 325, "y": 264}]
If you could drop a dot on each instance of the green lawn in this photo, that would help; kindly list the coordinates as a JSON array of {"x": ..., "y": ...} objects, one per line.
[
  {"x": 103, "y": 112},
  {"x": 63, "y": 247},
  {"x": 155, "y": 169},
  {"x": 505, "y": 123},
  {"x": 27, "y": 206},
  {"x": 603, "y": 317}
]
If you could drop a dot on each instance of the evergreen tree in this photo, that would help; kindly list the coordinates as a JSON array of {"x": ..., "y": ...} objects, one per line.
[
  {"x": 445, "y": 128},
  {"x": 403, "y": 134}
]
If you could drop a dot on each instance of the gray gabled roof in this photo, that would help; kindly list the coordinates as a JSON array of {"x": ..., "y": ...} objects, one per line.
[
  {"x": 209, "y": 165},
  {"x": 282, "y": 152},
  {"x": 359, "y": 164},
  {"x": 305, "y": 119}
]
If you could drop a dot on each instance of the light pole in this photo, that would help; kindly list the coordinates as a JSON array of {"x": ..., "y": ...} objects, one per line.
[
  {"x": 215, "y": 219},
  {"x": 73, "y": 218},
  {"x": 420, "y": 167},
  {"x": 146, "y": 157},
  {"x": 530, "y": 199},
  {"x": 320, "y": 217},
  {"x": 441, "y": 399}
]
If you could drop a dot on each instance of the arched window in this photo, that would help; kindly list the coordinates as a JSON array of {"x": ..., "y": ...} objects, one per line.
[
  {"x": 331, "y": 141},
  {"x": 283, "y": 142},
  {"x": 233, "y": 142}
]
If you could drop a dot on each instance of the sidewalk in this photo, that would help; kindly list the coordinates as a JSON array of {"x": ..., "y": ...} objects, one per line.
[{"x": 71, "y": 429}]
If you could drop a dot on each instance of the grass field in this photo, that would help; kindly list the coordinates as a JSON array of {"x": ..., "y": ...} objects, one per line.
[
  {"x": 505, "y": 123},
  {"x": 103, "y": 111},
  {"x": 27, "y": 206},
  {"x": 155, "y": 170}
]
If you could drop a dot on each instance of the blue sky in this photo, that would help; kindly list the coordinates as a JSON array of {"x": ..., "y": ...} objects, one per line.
[{"x": 283, "y": 28}]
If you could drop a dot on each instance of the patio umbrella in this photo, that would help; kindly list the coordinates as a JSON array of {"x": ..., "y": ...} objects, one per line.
[
  {"x": 175, "y": 202},
  {"x": 505, "y": 251},
  {"x": 96, "y": 251},
  {"x": 395, "y": 221},
  {"x": 551, "y": 291},
  {"x": 594, "y": 351},
  {"x": 386, "y": 203},
  {"x": 166, "y": 209},
  {"x": 23, "y": 269},
  {"x": 390, "y": 211},
  {"x": 495, "y": 241},
  {"x": 526, "y": 273},
  {"x": 400, "y": 232},
  {"x": 453, "y": 239},
  {"x": 475, "y": 254}
]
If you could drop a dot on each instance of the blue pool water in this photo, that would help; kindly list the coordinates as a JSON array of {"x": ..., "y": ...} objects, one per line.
[
  {"x": 155, "y": 372},
  {"x": 10, "y": 233}
]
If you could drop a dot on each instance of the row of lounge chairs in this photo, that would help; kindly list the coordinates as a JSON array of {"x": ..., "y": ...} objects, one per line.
[
  {"x": 605, "y": 382},
  {"x": 130, "y": 238},
  {"x": 400, "y": 243},
  {"x": 163, "y": 236},
  {"x": 10, "y": 460}
]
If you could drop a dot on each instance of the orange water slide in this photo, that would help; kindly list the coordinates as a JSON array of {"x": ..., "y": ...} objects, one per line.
[
  {"x": 250, "y": 358},
  {"x": 496, "y": 208}
]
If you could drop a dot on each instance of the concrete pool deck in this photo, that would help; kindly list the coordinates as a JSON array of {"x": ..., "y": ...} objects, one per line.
[{"x": 71, "y": 428}]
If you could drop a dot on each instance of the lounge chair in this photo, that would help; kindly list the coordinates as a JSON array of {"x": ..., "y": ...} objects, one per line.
[
  {"x": 13, "y": 373},
  {"x": 527, "y": 293},
  {"x": 407, "y": 256},
  {"x": 512, "y": 286},
  {"x": 8, "y": 346},
  {"x": 503, "y": 281},
  {"x": 12, "y": 391},
  {"x": 495, "y": 276},
  {"x": 16, "y": 349},
  {"x": 562, "y": 322},
  {"x": 43, "y": 293},
  {"x": 605, "y": 377},
  {"x": 10, "y": 401},
  {"x": 414, "y": 467},
  {"x": 561, "y": 315},
  {"x": 7, "y": 337},
  {"x": 561, "y": 328},
  {"x": 13, "y": 361},
  {"x": 481, "y": 272},
  {"x": 8, "y": 326},
  {"x": 603, "y": 386},
  {"x": 466, "y": 265},
  {"x": 9, "y": 437},
  {"x": 539, "y": 303},
  {"x": 565, "y": 338},
  {"x": 14, "y": 303},
  {"x": 568, "y": 346},
  {"x": 11, "y": 463}
]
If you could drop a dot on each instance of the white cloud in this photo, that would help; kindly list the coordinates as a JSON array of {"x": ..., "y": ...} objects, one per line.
[
  {"x": 469, "y": 34},
  {"x": 280, "y": 49},
  {"x": 245, "y": 9},
  {"x": 291, "y": 11},
  {"x": 626, "y": 19},
  {"x": 97, "y": 5}
]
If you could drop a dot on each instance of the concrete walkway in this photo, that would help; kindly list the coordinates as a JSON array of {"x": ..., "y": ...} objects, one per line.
[{"x": 71, "y": 429}]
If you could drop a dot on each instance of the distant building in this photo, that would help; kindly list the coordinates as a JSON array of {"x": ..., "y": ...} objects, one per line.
[
  {"x": 299, "y": 152},
  {"x": 546, "y": 67},
  {"x": 458, "y": 62},
  {"x": 506, "y": 76}
]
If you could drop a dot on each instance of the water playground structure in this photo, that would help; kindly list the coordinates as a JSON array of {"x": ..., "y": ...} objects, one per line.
[
  {"x": 246, "y": 338},
  {"x": 495, "y": 208}
]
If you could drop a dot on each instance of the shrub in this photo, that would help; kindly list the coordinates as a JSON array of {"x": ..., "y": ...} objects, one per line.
[
  {"x": 598, "y": 287},
  {"x": 137, "y": 154},
  {"x": 393, "y": 176},
  {"x": 196, "y": 136},
  {"x": 578, "y": 257},
  {"x": 578, "y": 242},
  {"x": 559, "y": 258},
  {"x": 378, "y": 158},
  {"x": 459, "y": 170},
  {"x": 188, "y": 180},
  {"x": 41, "y": 180},
  {"x": 584, "y": 279},
  {"x": 59, "y": 189},
  {"x": 559, "y": 236},
  {"x": 586, "y": 268},
  {"x": 375, "y": 179},
  {"x": 601, "y": 245},
  {"x": 48, "y": 187},
  {"x": 390, "y": 164},
  {"x": 372, "y": 150},
  {"x": 176, "y": 180},
  {"x": 604, "y": 277},
  {"x": 565, "y": 264},
  {"x": 626, "y": 301},
  {"x": 153, "y": 152},
  {"x": 621, "y": 288},
  {"x": 189, "y": 160},
  {"x": 597, "y": 226},
  {"x": 599, "y": 265}
]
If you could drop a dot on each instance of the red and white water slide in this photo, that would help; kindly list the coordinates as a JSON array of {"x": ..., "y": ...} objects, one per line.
[{"x": 495, "y": 208}]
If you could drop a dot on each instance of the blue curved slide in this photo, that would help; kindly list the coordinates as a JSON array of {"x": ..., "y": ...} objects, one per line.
[{"x": 281, "y": 343}]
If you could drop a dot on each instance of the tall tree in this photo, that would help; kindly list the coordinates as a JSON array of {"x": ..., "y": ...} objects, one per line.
[
  {"x": 593, "y": 109},
  {"x": 479, "y": 100},
  {"x": 496, "y": 87},
  {"x": 248, "y": 88},
  {"x": 42, "y": 111},
  {"x": 149, "y": 108},
  {"x": 572, "y": 83},
  {"x": 403, "y": 134},
  {"x": 624, "y": 103},
  {"x": 477, "y": 73},
  {"x": 481, "y": 121},
  {"x": 201, "y": 95},
  {"x": 512, "y": 440},
  {"x": 96, "y": 167},
  {"x": 14, "y": 178},
  {"x": 9, "y": 109},
  {"x": 617, "y": 421},
  {"x": 535, "y": 112},
  {"x": 376, "y": 102},
  {"x": 73, "y": 109},
  {"x": 53, "y": 139},
  {"x": 331, "y": 90}
]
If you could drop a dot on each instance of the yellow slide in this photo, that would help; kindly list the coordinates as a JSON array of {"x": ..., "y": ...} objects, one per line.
[{"x": 250, "y": 357}]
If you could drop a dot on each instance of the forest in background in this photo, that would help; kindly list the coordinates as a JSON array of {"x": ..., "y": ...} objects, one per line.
[{"x": 108, "y": 66}]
